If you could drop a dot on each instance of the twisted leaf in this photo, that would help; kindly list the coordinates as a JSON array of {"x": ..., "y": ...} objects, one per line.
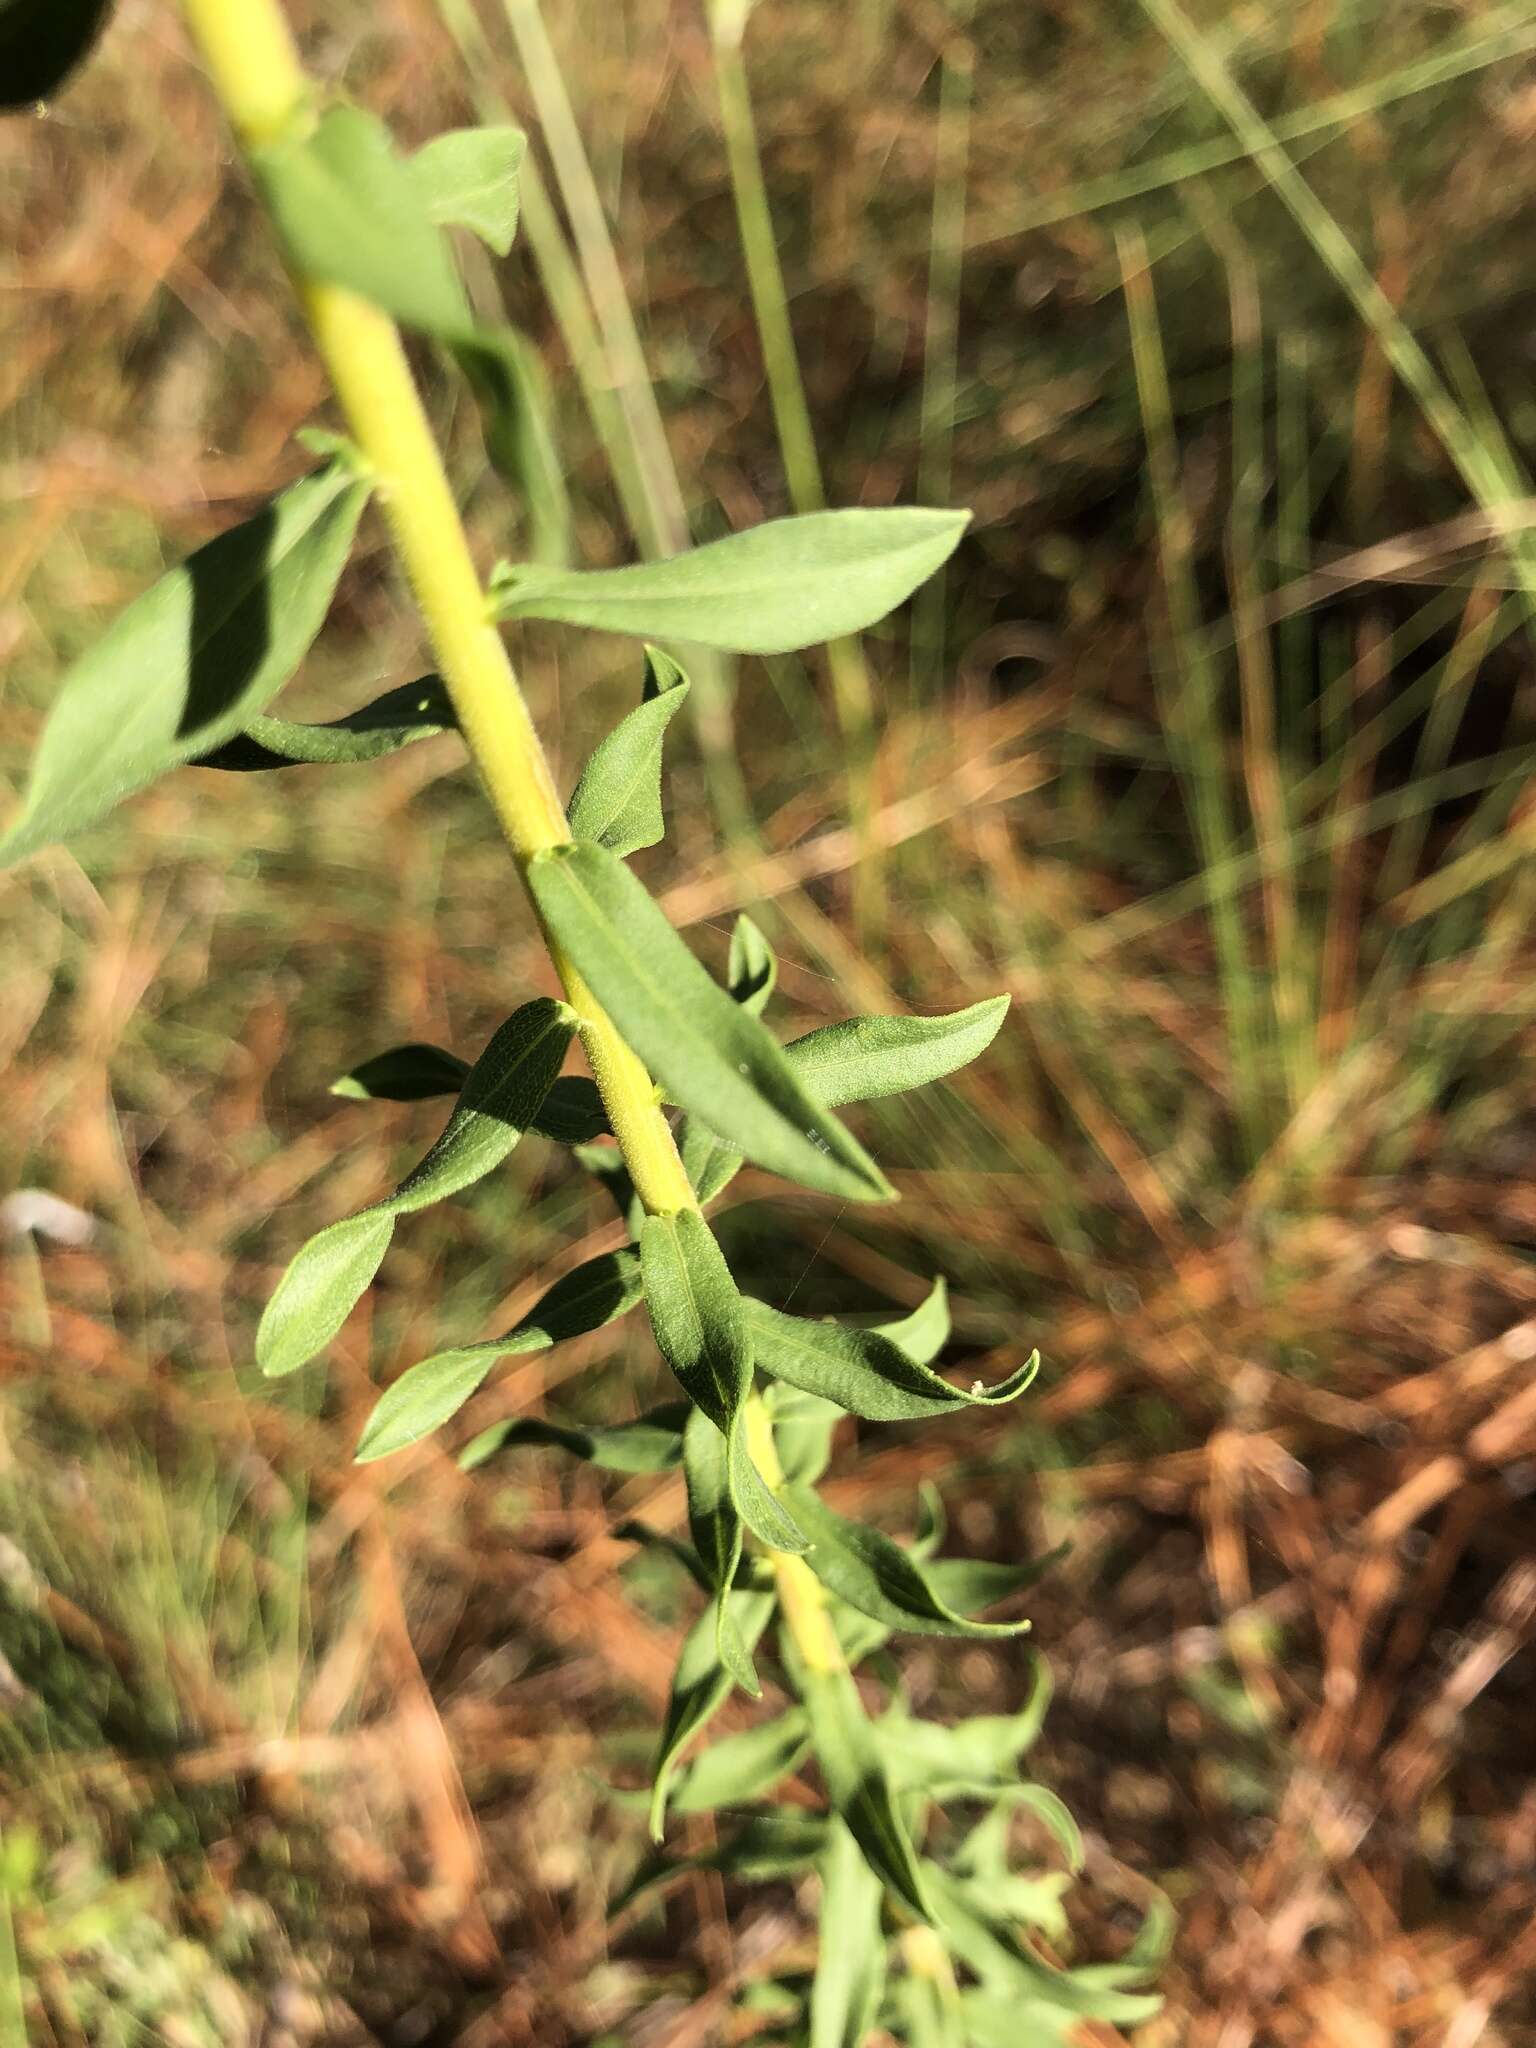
[
  {"x": 502, "y": 1092},
  {"x": 468, "y": 179},
  {"x": 352, "y": 211},
  {"x": 862, "y": 1371},
  {"x": 401, "y": 717},
  {"x": 617, "y": 802},
  {"x": 866, "y": 1568},
  {"x": 571, "y": 1113}
]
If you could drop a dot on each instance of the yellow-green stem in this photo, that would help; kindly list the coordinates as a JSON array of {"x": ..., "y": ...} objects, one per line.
[{"x": 256, "y": 72}]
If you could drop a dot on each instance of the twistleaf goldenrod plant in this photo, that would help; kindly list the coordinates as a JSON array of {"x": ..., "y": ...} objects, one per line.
[{"x": 925, "y": 1924}]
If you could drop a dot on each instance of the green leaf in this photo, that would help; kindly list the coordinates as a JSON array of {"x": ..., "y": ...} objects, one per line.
[
  {"x": 711, "y": 1055},
  {"x": 700, "y": 1685},
  {"x": 743, "y": 1767},
  {"x": 970, "y": 1583},
  {"x": 850, "y": 1970},
  {"x": 41, "y": 42},
  {"x": 617, "y": 802},
  {"x": 518, "y": 412},
  {"x": 716, "y": 1530},
  {"x": 1004, "y": 1966},
  {"x": 761, "y": 1510},
  {"x": 765, "y": 1848},
  {"x": 351, "y": 210},
  {"x": 751, "y": 974},
  {"x": 406, "y": 1073},
  {"x": 653, "y": 1442},
  {"x": 857, "y": 1783},
  {"x": 414, "y": 711},
  {"x": 503, "y": 1090},
  {"x": 635, "y": 1531},
  {"x": 468, "y": 179},
  {"x": 605, "y": 1163},
  {"x": 924, "y": 1333},
  {"x": 862, "y": 1371},
  {"x": 854, "y": 1061},
  {"x": 189, "y": 663},
  {"x": 709, "y": 1162},
  {"x": 866, "y": 1568},
  {"x": 980, "y": 1755},
  {"x": 785, "y": 584},
  {"x": 865, "y": 1057},
  {"x": 571, "y": 1113},
  {"x": 696, "y": 1313},
  {"x": 752, "y": 971},
  {"x": 426, "y": 1395},
  {"x": 803, "y": 1425}
]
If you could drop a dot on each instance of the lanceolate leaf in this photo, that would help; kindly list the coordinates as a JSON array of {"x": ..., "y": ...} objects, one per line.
[
  {"x": 41, "y": 42},
  {"x": 716, "y": 1530},
  {"x": 709, "y": 1053},
  {"x": 854, "y": 1061},
  {"x": 504, "y": 1089},
  {"x": 866, "y": 1568},
  {"x": 699, "y": 1688},
  {"x": 426, "y": 1395},
  {"x": 743, "y": 1766},
  {"x": 857, "y": 1783},
  {"x": 788, "y": 583},
  {"x": 850, "y": 1970},
  {"x": 696, "y": 1313},
  {"x": 864, "y": 1057},
  {"x": 415, "y": 711},
  {"x": 651, "y": 1443},
  {"x": 862, "y": 1371},
  {"x": 617, "y": 802},
  {"x": 191, "y": 662},
  {"x": 468, "y": 179}
]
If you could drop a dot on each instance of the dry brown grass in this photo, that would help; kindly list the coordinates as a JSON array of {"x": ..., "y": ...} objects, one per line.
[{"x": 1287, "y": 1422}]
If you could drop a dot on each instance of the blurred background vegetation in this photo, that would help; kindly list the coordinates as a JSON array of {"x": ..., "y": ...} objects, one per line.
[{"x": 1213, "y": 746}]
